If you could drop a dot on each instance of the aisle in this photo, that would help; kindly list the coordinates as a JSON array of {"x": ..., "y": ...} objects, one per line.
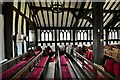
[{"x": 50, "y": 71}]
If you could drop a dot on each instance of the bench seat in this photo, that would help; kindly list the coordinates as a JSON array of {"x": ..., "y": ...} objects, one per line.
[
  {"x": 66, "y": 75},
  {"x": 63, "y": 61},
  {"x": 43, "y": 62},
  {"x": 15, "y": 68},
  {"x": 35, "y": 74}
]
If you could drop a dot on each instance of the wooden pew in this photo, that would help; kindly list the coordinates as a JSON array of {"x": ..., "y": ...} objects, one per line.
[
  {"x": 94, "y": 68},
  {"x": 10, "y": 72},
  {"x": 16, "y": 64},
  {"x": 38, "y": 70},
  {"x": 10, "y": 63},
  {"x": 22, "y": 73},
  {"x": 64, "y": 69}
]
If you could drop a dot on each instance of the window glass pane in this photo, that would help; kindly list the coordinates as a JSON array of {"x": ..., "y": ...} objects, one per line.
[{"x": 42, "y": 36}]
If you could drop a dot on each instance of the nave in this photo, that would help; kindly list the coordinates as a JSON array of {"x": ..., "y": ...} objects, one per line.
[
  {"x": 76, "y": 65},
  {"x": 60, "y": 39}
]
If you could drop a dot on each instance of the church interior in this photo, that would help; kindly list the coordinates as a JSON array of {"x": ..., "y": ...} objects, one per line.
[{"x": 60, "y": 40}]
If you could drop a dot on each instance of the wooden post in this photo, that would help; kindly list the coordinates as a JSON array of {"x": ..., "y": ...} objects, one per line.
[
  {"x": 98, "y": 32},
  {"x": 8, "y": 20}
]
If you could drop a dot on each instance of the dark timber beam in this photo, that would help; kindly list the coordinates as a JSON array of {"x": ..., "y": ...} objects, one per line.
[
  {"x": 20, "y": 13},
  {"x": 52, "y": 16},
  {"x": 35, "y": 16},
  {"x": 22, "y": 26},
  {"x": 98, "y": 32},
  {"x": 79, "y": 15},
  {"x": 42, "y": 14},
  {"x": 111, "y": 13},
  {"x": 35, "y": 22},
  {"x": 74, "y": 15},
  {"x": 113, "y": 21},
  {"x": 70, "y": 9},
  {"x": 81, "y": 10},
  {"x": 16, "y": 31},
  {"x": 67, "y": 15},
  {"x": 63, "y": 28},
  {"x": 8, "y": 20},
  {"x": 106, "y": 35},
  {"x": 88, "y": 18},
  {"x": 47, "y": 14},
  {"x": 71, "y": 28},
  {"x": 57, "y": 16},
  {"x": 88, "y": 15},
  {"x": 62, "y": 16}
]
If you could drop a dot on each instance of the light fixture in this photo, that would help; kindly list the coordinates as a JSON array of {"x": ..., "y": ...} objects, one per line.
[{"x": 57, "y": 7}]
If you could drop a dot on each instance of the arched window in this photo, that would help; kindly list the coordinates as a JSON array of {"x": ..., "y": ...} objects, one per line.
[
  {"x": 65, "y": 35},
  {"x": 85, "y": 36},
  {"x": 78, "y": 33},
  {"x": 115, "y": 35},
  {"x": 50, "y": 36},
  {"x": 42, "y": 36},
  {"x": 61, "y": 35},
  {"x": 68, "y": 35},
  {"x": 109, "y": 35},
  {"x": 46, "y": 36}
]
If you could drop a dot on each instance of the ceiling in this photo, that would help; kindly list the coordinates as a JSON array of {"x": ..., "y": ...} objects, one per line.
[{"x": 73, "y": 14}]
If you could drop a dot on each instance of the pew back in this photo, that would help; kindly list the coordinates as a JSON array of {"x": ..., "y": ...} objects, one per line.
[
  {"x": 27, "y": 68},
  {"x": 96, "y": 69},
  {"x": 10, "y": 63}
]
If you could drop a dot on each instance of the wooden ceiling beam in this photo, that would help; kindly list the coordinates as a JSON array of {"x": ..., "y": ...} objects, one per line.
[
  {"x": 71, "y": 28},
  {"x": 20, "y": 13},
  {"x": 80, "y": 13},
  {"x": 89, "y": 14},
  {"x": 67, "y": 15},
  {"x": 33, "y": 16},
  {"x": 111, "y": 13},
  {"x": 113, "y": 21},
  {"x": 47, "y": 14},
  {"x": 73, "y": 15},
  {"x": 62, "y": 16},
  {"x": 42, "y": 14},
  {"x": 63, "y": 28},
  {"x": 71, "y": 9},
  {"x": 52, "y": 16},
  {"x": 37, "y": 16}
]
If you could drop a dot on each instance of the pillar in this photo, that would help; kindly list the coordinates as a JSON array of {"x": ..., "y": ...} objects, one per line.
[{"x": 97, "y": 8}]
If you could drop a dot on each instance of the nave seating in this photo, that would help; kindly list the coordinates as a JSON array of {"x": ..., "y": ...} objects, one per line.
[
  {"x": 94, "y": 69},
  {"x": 113, "y": 54},
  {"x": 38, "y": 70},
  {"x": 7, "y": 74},
  {"x": 112, "y": 66},
  {"x": 22, "y": 73},
  {"x": 12, "y": 66},
  {"x": 111, "y": 58},
  {"x": 108, "y": 51},
  {"x": 66, "y": 75}
]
